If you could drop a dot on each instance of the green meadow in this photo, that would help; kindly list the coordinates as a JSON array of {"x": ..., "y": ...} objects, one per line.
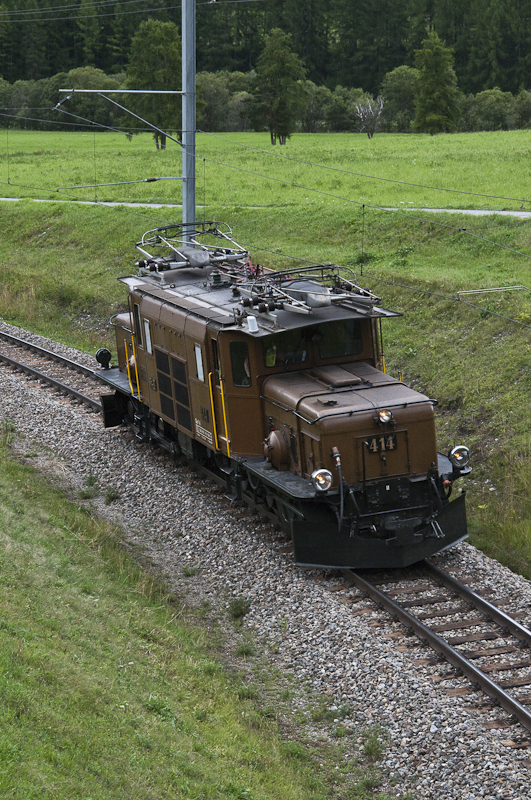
[
  {"x": 244, "y": 170},
  {"x": 60, "y": 261},
  {"x": 111, "y": 689},
  {"x": 151, "y": 713}
]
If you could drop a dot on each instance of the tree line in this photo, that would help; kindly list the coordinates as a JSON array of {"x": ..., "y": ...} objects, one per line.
[
  {"x": 277, "y": 96},
  {"x": 348, "y": 43}
]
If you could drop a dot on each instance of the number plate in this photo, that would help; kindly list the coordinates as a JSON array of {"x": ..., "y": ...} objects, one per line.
[{"x": 377, "y": 444}]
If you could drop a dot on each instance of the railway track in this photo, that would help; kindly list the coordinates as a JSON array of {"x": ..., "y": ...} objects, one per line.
[
  {"x": 487, "y": 645},
  {"x": 481, "y": 641},
  {"x": 51, "y": 369}
]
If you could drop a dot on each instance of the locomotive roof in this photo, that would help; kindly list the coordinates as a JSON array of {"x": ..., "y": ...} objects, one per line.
[
  {"x": 194, "y": 269},
  {"x": 192, "y": 291}
]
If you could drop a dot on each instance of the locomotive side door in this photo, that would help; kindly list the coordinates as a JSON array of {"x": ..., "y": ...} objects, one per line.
[
  {"x": 237, "y": 404},
  {"x": 145, "y": 316},
  {"x": 196, "y": 340}
]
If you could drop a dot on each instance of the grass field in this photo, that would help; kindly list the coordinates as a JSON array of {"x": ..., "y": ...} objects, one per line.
[
  {"x": 60, "y": 263},
  {"x": 109, "y": 689},
  {"x": 244, "y": 170}
]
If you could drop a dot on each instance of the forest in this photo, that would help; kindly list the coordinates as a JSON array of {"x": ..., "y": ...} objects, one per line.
[{"x": 351, "y": 43}]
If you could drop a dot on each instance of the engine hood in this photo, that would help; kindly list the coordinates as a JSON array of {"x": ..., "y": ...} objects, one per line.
[{"x": 332, "y": 391}]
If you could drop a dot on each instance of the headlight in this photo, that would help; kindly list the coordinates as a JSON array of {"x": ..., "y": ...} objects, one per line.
[
  {"x": 321, "y": 480},
  {"x": 385, "y": 416},
  {"x": 459, "y": 456}
]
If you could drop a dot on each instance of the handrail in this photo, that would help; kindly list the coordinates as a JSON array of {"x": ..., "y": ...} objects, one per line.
[
  {"x": 136, "y": 366},
  {"x": 213, "y": 410},
  {"x": 128, "y": 368},
  {"x": 224, "y": 416}
]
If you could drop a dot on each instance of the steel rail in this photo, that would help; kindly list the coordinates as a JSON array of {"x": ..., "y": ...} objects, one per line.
[
  {"x": 490, "y": 688},
  {"x": 49, "y": 354},
  {"x": 41, "y": 376},
  {"x": 499, "y": 616}
]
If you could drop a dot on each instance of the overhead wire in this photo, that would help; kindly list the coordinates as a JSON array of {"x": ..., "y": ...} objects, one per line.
[
  {"x": 298, "y": 160},
  {"x": 97, "y": 16},
  {"x": 135, "y": 11},
  {"x": 94, "y": 4},
  {"x": 344, "y": 199}
]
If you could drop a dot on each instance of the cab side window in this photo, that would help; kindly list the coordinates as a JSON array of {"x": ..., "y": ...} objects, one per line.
[
  {"x": 199, "y": 362},
  {"x": 138, "y": 327},
  {"x": 147, "y": 337},
  {"x": 239, "y": 359}
]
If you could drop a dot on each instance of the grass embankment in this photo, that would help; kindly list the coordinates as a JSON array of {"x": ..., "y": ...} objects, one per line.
[
  {"x": 60, "y": 265},
  {"x": 108, "y": 689}
]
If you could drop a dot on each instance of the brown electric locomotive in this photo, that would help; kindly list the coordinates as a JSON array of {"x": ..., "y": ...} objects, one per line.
[{"x": 276, "y": 382}]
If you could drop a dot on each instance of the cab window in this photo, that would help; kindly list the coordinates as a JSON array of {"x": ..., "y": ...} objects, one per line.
[
  {"x": 147, "y": 337},
  {"x": 288, "y": 347},
  {"x": 239, "y": 359},
  {"x": 199, "y": 362},
  {"x": 341, "y": 338},
  {"x": 138, "y": 327}
]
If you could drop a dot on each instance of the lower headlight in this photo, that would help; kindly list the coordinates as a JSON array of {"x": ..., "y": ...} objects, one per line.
[
  {"x": 459, "y": 456},
  {"x": 321, "y": 480}
]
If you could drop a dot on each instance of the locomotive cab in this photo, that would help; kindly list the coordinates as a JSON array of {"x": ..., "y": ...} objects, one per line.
[{"x": 276, "y": 382}]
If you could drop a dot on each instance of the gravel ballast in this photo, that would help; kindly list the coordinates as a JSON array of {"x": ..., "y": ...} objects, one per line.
[{"x": 352, "y": 653}]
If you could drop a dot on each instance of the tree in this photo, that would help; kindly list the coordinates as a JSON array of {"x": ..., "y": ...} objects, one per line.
[
  {"x": 278, "y": 92},
  {"x": 370, "y": 115},
  {"x": 5, "y": 40},
  {"x": 398, "y": 90},
  {"x": 368, "y": 41},
  {"x": 437, "y": 95},
  {"x": 155, "y": 63},
  {"x": 492, "y": 110},
  {"x": 309, "y": 25},
  {"x": 341, "y": 109},
  {"x": 212, "y": 100},
  {"x": 89, "y": 32},
  {"x": 318, "y": 98},
  {"x": 522, "y": 110}
]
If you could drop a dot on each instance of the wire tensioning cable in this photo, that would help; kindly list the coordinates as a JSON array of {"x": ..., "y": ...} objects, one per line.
[
  {"x": 119, "y": 205},
  {"x": 117, "y": 183}
]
